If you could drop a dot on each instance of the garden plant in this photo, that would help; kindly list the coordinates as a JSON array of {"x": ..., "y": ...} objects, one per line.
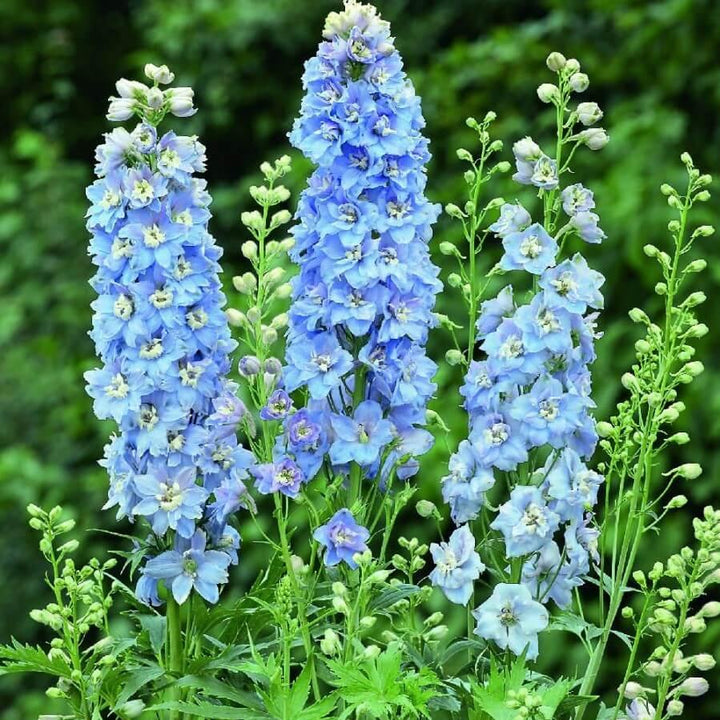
[{"x": 295, "y": 413}]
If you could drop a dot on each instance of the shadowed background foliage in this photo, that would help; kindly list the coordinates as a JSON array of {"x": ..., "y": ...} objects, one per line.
[{"x": 653, "y": 68}]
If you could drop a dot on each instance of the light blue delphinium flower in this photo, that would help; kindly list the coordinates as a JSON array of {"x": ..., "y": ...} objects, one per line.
[
  {"x": 173, "y": 501},
  {"x": 283, "y": 476},
  {"x": 361, "y": 437},
  {"x": 513, "y": 218},
  {"x": 640, "y": 709},
  {"x": 457, "y": 565},
  {"x": 512, "y": 619},
  {"x": 525, "y": 521},
  {"x": 342, "y": 538},
  {"x": 573, "y": 285},
  {"x": 190, "y": 566},
  {"x": 531, "y": 249}
]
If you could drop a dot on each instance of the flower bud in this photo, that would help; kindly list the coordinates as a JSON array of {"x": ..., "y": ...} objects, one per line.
[
  {"x": 589, "y": 113},
  {"x": 464, "y": 154},
  {"x": 704, "y": 662},
  {"x": 235, "y": 317},
  {"x": 131, "y": 89},
  {"x": 547, "y": 92},
  {"x": 181, "y": 102},
  {"x": 594, "y": 138},
  {"x": 694, "y": 299},
  {"x": 121, "y": 109},
  {"x": 367, "y": 622},
  {"x": 330, "y": 643},
  {"x": 555, "y": 61},
  {"x": 425, "y": 508},
  {"x": 454, "y": 356},
  {"x": 693, "y": 687},
  {"x": 633, "y": 690},
  {"x": 248, "y": 366},
  {"x": 572, "y": 65},
  {"x": 674, "y": 708},
  {"x": 710, "y": 609},
  {"x": 159, "y": 74},
  {"x": 689, "y": 471},
  {"x": 379, "y": 576},
  {"x": 371, "y": 651},
  {"x": 448, "y": 248},
  {"x": 340, "y": 605},
  {"x": 677, "y": 502},
  {"x": 283, "y": 291},
  {"x": 269, "y": 335},
  {"x": 155, "y": 98},
  {"x": 579, "y": 82},
  {"x": 249, "y": 250},
  {"x": 696, "y": 266}
]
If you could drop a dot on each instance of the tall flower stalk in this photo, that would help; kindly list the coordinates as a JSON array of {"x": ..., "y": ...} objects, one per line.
[
  {"x": 163, "y": 339},
  {"x": 528, "y": 397},
  {"x": 363, "y": 299}
]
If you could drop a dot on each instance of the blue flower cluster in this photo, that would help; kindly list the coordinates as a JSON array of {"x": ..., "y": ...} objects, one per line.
[
  {"x": 528, "y": 402},
  {"x": 163, "y": 340},
  {"x": 363, "y": 300}
]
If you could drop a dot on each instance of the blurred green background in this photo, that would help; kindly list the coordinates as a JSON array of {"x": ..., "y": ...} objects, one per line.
[{"x": 653, "y": 68}]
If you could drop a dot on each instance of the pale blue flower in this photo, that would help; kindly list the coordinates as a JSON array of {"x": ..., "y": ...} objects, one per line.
[
  {"x": 457, "y": 565},
  {"x": 342, "y": 538},
  {"x": 512, "y": 619}
]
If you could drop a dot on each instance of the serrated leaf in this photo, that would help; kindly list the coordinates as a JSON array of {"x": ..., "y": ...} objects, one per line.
[{"x": 19, "y": 658}]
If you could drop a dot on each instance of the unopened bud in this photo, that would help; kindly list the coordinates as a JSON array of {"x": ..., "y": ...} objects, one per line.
[
  {"x": 555, "y": 61},
  {"x": 454, "y": 357},
  {"x": 547, "y": 92},
  {"x": 425, "y": 508},
  {"x": 693, "y": 687},
  {"x": 579, "y": 82}
]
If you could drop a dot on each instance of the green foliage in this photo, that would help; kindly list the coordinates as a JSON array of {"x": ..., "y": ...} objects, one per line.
[{"x": 380, "y": 687}]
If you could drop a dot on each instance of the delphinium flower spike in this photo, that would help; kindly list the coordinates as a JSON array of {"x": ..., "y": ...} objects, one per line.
[
  {"x": 163, "y": 340},
  {"x": 528, "y": 397},
  {"x": 363, "y": 299}
]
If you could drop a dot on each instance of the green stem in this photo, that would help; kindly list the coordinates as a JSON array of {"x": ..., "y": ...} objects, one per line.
[
  {"x": 175, "y": 651},
  {"x": 643, "y": 477},
  {"x": 297, "y": 592},
  {"x": 355, "y": 469}
]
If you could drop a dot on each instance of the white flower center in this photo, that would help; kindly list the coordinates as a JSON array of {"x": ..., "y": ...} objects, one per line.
[
  {"x": 511, "y": 348},
  {"x": 121, "y": 248},
  {"x": 152, "y": 349},
  {"x": 162, "y": 298},
  {"x": 565, "y": 284},
  {"x": 153, "y": 236},
  {"x": 118, "y": 387},
  {"x": 148, "y": 417},
  {"x": 497, "y": 434},
  {"x": 197, "y": 319},
  {"x": 531, "y": 247},
  {"x": 142, "y": 191},
  {"x": 323, "y": 362},
  {"x": 534, "y": 519},
  {"x": 123, "y": 307},
  {"x": 110, "y": 199},
  {"x": 170, "y": 158},
  {"x": 548, "y": 410},
  {"x": 190, "y": 375},
  {"x": 170, "y": 497}
]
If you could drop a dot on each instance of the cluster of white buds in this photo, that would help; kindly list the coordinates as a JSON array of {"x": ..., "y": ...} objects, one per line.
[
  {"x": 572, "y": 80},
  {"x": 150, "y": 102}
]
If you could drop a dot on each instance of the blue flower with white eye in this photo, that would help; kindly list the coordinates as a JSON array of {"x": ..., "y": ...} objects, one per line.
[
  {"x": 545, "y": 326},
  {"x": 342, "y": 538},
  {"x": 532, "y": 250},
  {"x": 278, "y": 406},
  {"x": 170, "y": 501},
  {"x": 116, "y": 393},
  {"x": 457, "y": 565},
  {"x": 284, "y": 476},
  {"x": 511, "y": 619},
  {"x": 544, "y": 173},
  {"x": 547, "y": 414},
  {"x": 231, "y": 495},
  {"x": 573, "y": 285},
  {"x": 362, "y": 437},
  {"x": 318, "y": 362},
  {"x": 576, "y": 199},
  {"x": 498, "y": 441},
  {"x": 513, "y": 218},
  {"x": 525, "y": 521},
  {"x": 190, "y": 566},
  {"x": 302, "y": 429}
]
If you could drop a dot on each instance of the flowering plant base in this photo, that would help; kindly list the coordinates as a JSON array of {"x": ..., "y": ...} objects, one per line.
[{"x": 546, "y": 507}]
